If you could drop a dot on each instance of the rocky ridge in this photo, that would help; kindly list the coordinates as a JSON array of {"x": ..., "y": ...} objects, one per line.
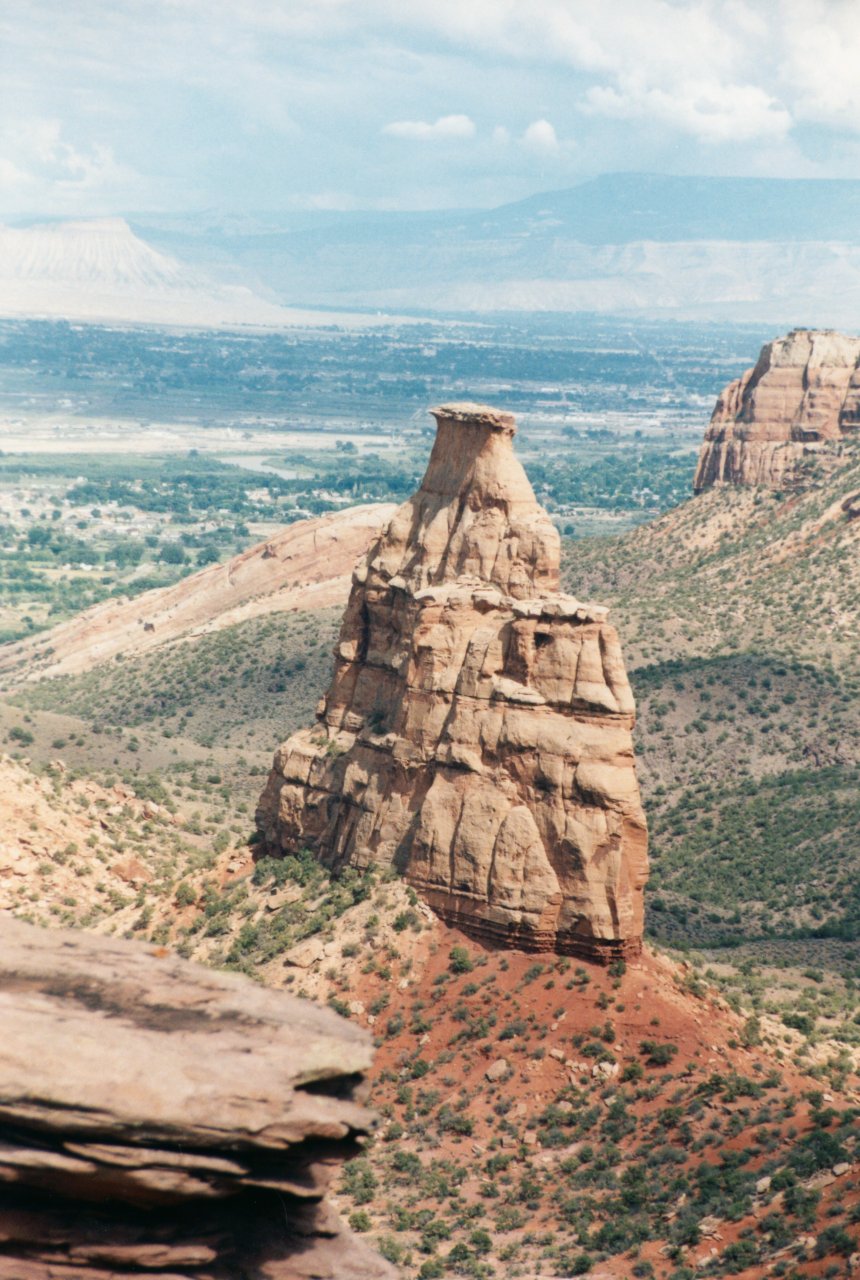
[
  {"x": 305, "y": 566},
  {"x": 738, "y": 567},
  {"x": 160, "y": 1117},
  {"x": 802, "y": 396},
  {"x": 477, "y": 730}
]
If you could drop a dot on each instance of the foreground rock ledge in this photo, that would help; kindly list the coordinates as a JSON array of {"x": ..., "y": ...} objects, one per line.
[
  {"x": 802, "y": 397},
  {"x": 159, "y": 1118},
  {"x": 477, "y": 731}
]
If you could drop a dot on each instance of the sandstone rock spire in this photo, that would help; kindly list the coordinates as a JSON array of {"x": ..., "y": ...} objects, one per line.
[
  {"x": 803, "y": 394},
  {"x": 474, "y": 515},
  {"x": 477, "y": 730}
]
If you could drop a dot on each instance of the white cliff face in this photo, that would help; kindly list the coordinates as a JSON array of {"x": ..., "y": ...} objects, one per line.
[
  {"x": 100, "y": 270},
  {"x": 102, "y": 252}
]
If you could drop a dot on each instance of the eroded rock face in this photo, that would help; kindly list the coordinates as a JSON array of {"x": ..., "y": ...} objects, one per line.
[
  {"x": 160, "y": 1118},
  {"x": 802, "y": 395},
  {"x": 477, "y": 731}
]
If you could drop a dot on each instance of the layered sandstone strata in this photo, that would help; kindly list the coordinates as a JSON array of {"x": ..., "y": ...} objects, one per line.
[
  {"x": 477, "y": 731},
  {"x": 802, "y": 395},
  {"x": 161, "y": 1119}
]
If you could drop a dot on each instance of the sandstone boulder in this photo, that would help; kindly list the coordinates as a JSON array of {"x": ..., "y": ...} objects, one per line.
[
  {"x": 163, "y": 1119},
  {"x": 498, "y": 1070},
  {"x": 802, "y": 395},
  {"x": 477, "y": 730}
]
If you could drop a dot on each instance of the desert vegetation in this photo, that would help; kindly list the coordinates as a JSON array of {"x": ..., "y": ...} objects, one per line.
[{"x": 692, "y": 1114}]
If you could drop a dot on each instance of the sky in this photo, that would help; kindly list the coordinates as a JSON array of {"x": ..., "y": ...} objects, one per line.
[{"x": 178, "y": 106}]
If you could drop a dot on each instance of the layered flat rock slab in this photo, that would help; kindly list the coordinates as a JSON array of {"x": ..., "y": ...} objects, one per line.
[
  {"x": 803, "y": 395},
  {"x": 477, "y": 733},
  {"x": 159, "y": 1117}
]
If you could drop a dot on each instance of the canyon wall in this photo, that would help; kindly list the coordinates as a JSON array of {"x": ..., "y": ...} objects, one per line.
[
  {"x": 802, "y": 396},
  {"x": 477, "y": 731}
]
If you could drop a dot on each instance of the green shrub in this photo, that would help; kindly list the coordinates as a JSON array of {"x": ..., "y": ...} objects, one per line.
[
  {"x": 459, "y": 960},
  {"x": 185, "y": 895},
  {"x": 390, "y": 1249},
  {"x": 359, "y": 1181},
  {"x": 834, "y": 1240},
  {"x": 657, "y": 1054}
]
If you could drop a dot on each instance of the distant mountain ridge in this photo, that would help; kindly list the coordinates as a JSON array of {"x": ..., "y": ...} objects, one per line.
[
  {"x": 620, "y": 207},
  {"x": 782, "y": 251},
  {"x": 615, "y": 208},
  {"x": 98, "y": 269},
  {"x": 778, "y": 251}
]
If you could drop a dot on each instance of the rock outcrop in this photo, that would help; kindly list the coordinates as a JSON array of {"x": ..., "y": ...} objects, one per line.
[
  {"x": 477, "y": 731},
  {"x": 162, "y": 1119},
  {"x": 802, "y": 395}
]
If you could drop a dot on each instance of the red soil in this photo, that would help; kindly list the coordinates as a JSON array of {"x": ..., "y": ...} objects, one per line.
[{"x": 547, "y": 1023}]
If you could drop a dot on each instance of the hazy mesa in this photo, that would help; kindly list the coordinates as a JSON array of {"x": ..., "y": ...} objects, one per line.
[{"x": 100, "y": 270}]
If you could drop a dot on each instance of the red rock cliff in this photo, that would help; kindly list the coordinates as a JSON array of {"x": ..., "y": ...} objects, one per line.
[
  {"x": 803, "y": 394},
  {"x": 477, "y": 731}
]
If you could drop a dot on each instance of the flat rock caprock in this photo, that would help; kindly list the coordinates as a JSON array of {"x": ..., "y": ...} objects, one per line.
[{"x": 163, "y": 1119}]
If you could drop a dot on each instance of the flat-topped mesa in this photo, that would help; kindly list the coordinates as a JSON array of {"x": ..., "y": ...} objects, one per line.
[
  {"x": 802, "y": 396},
  {"x": 477, "y": 732},
  {"x": 475, "y": 513}
]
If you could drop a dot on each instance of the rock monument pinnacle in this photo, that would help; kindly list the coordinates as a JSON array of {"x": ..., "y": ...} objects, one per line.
[{"x": 477, "y": 730}]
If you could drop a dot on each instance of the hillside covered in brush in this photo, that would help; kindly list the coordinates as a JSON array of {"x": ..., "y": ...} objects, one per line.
[
  {"x": 739, "y": 614},
  {"x": 539, "y": 1117}
]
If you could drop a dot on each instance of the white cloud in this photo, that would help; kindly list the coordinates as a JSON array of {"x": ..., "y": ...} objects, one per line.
[
  {"x": 541, "y": 136},
  {"x": 760, "y": 65},
  {"x": 710, "y": 112},
  {"x": 40, "y": 167},
  {"x": 662, "y": 36},
  {"x": 445, "y": 128},
  {"x": 223, "y": 101},
  {"x": 821, "y": 58}
]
